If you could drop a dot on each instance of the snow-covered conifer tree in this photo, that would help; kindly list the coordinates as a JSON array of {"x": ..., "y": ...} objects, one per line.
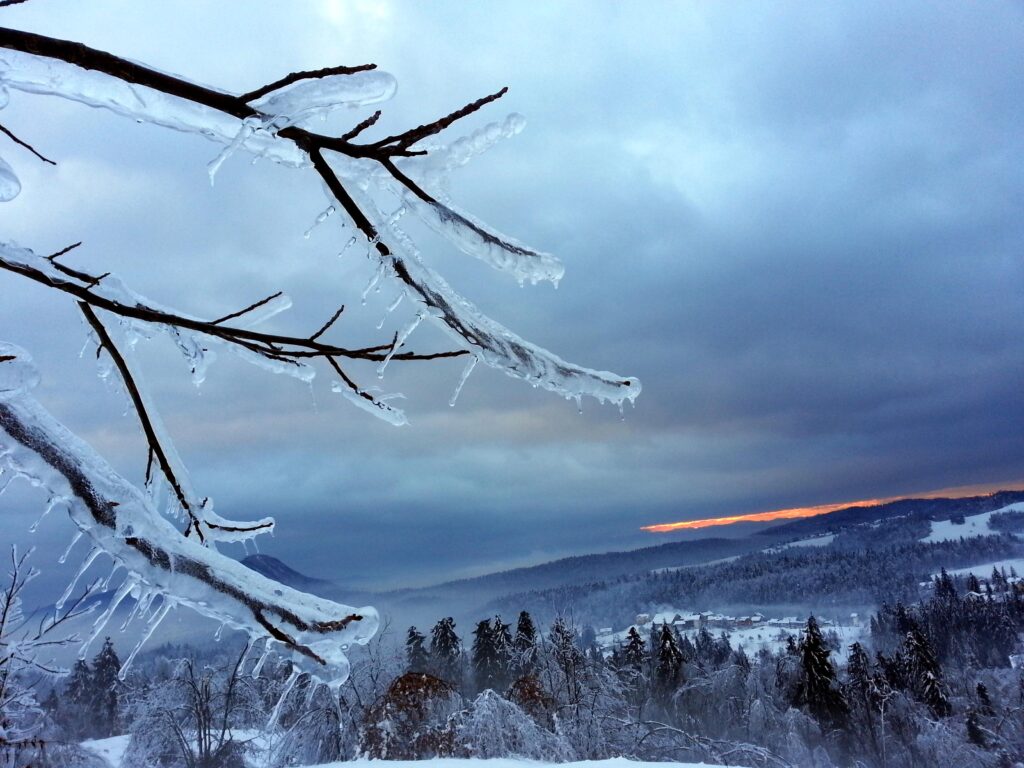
[
  {"x": 817, "y": 688},
  {"x": 446, "y": 652},
  {"x": 417, "y": 658}
]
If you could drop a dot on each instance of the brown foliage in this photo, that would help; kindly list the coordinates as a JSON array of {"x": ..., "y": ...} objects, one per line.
[{"x": 410, "y": 721}]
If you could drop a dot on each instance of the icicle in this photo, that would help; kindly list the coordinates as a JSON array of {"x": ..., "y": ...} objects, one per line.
[
  {"x": 53, "y": 503},
  {"x": 349, "y": 244},
  {"x": 244, "y": 132},
  {"x": 579, "y": 404},
  {"x": 74, "y": 540},
  {"x": 394, "y": 304},
  {"x": 399, "y": 341},
  {"x": 153, "y": 624},
  {"x": 262, "y": 660},
  {"x": 218, "y": 633},
  {"x": 110, "y": 577},
  {"x": 101, "y": 621},
  {"x": 327, "y": 213},
  {"x": 288, "y": 685},
  {"x": 378, "y": 275},
  {"x": 10, "y": 186},
  {"x": 89, "y": 558},
  {"x": 462, "y": 380},
  {"x": 137, "y": 595}
]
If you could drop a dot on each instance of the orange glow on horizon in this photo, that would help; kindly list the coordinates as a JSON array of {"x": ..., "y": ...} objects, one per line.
[{"x": 823, "y": 509}]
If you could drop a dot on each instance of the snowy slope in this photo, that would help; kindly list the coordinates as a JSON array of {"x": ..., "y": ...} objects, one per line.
[
  {"x": 984, "y": 571},
  {"x": 975, "y": 525},
  {"x": 619, "y": 762},
  {"x": 112, "y": 750}
]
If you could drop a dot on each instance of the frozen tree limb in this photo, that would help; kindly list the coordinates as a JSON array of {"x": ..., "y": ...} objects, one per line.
[
  {"x": 121, "y": 521},
  {"x": 265, "y": 122},
  {"x": 41, "y": 64}
]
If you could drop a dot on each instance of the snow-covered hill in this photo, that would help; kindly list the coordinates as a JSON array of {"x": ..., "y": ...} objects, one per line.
[{"x": 975, "y": 525}]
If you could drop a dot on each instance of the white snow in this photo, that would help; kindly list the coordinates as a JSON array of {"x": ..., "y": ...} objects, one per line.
[
  {"x": 975, "y": 525},
  {"x": 448, "y": 762},
  {"x": 815, "y": 541},
  {"x": 984, "y": 571},
  {"x": 111, "y": 749}
]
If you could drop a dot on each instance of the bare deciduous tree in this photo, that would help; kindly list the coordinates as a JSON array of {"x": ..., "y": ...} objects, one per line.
[{"x": 167, "y": 565}]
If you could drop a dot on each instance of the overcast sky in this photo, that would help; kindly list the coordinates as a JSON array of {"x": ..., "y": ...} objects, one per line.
[{"x": 799, "y": 225}]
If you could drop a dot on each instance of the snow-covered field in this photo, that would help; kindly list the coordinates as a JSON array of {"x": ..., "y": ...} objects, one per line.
[
  {"x": 815, "y": 541},
  {"x": 975, "y": 525},
  {"x": 112, "y": 750},
  {"x": 984, "y": 571}
]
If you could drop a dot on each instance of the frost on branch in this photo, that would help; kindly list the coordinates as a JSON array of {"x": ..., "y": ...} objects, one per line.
[
  {"x": 318, "y": 97},
  {"x": 162, "y": 565},
  {"x": 157, "y": 559}
]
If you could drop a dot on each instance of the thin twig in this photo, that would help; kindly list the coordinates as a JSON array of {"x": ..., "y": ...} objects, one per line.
[
  {"x": 25, "y": 144},
  {"x": 139, "y": 403},
  {"x": 326, "y": 326},
  {"x": 250, "y": 308},
  {"x": 410, "y": 137},
  {"x": 361, "y": 127},
  {"x": 295, "y": 77},
  {"x": 62, "y": 251}
]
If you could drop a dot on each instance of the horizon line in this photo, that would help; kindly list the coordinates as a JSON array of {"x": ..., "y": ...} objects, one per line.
[{"x": 795, "y": 513}]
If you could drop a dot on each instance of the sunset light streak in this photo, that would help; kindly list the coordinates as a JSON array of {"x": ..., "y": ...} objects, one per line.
[{"x": 824, "y": 509}]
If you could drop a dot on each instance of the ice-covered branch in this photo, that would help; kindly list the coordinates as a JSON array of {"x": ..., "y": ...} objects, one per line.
[
  {"x": 120, "y": 521},
  {"x": 194, "y": 337},
  {"x": 201, "y": 517},
  {"x": 46, "y": 65}
]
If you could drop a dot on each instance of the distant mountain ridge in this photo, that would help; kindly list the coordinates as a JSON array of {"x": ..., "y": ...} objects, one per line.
[
  {"x": 919, "y": 509},
  {"x": 470, "y": 595},
  {"x": 272, "y": 568}
]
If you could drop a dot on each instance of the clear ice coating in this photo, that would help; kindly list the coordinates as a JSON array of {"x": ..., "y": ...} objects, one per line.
[
  {"x": 487, "y": 339},
  {"x": 161, "y": 567},
  {"x": 120, "y": 521},
  {"x": 10, "y": 186},
  {"x": 320, "y": 96},
  {"x": 476, "y": 239}
]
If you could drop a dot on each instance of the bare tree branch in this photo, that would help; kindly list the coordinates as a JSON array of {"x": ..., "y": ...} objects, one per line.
[
  {"x": 295, "y": 77},
  {"x": 25, "y": 144}
]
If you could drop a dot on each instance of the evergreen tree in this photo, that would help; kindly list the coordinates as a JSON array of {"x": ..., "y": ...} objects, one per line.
[
  {"x": 524, "y": 646},
  {"x": 634, "y": 654},
  {"x": 446, "y": 651},
  {"x": 973, "y": 585},
  {"x": 974, "y": 733},
  {"x": 505, "y": 652},
  {"x": 863, "y": 695},
  {"x": 668, "y": 662},
  {"x": 105, "y": 685},
  {"x": 984, "y": 701},
  {"x": 417, "y": 658},
  {"x": 77, "y": 701},
  {"x": 567, "y": 656},
  {"x": 816, "y": 687},
  {"x": 485, "y": 660},
  {"x": 924, "y": 673},
  {"x": 944, "y": 587}
]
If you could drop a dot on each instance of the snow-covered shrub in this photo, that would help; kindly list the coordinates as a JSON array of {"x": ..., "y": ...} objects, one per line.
[
  {"x": 493, "y": 726},
  {"x": 410, "y": 722}
]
